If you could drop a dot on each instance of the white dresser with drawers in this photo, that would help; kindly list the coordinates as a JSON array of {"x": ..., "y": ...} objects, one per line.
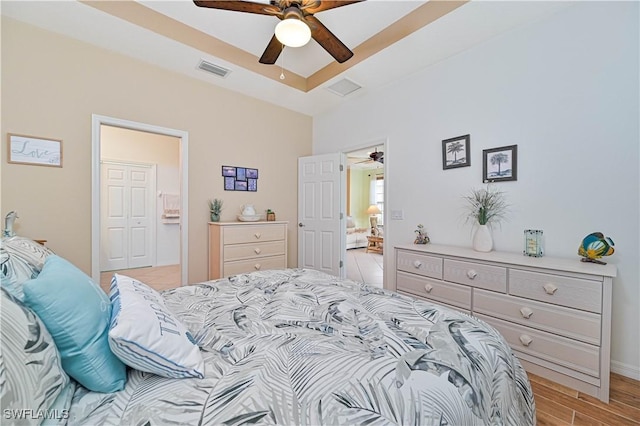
[
  {"x": 243, "y": 247},
  {"x": 555, "y": 313}
]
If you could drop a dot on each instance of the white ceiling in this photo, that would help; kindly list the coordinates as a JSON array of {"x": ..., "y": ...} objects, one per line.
[{"x": 468, "y": 25}]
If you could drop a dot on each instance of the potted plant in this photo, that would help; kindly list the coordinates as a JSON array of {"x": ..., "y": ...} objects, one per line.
[
  {"x": 215, "y": 208},
  {"x": 485, "y": 207},
  {"x": 271, "y": 215}
]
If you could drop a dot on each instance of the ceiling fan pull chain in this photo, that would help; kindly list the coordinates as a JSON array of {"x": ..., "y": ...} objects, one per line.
[{"x": 282, "y": 63}]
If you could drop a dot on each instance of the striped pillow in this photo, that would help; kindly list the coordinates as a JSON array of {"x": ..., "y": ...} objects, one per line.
[{"x": 146, "y": 335}]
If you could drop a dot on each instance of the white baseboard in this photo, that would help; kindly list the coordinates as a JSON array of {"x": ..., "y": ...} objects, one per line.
[{"x": 626, "y": 370}]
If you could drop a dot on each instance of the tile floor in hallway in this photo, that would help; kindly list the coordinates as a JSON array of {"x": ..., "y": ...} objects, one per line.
[{"x": 365, "y": 267}]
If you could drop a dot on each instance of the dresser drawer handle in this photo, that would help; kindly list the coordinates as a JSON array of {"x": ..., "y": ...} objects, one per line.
[
  {"x": 471, "y": 274},
  {"x": 257, "y": 235},
  {"x": 526, "y": 312},
  {"x": 257, "y": 266},
  {"x": 526, "y": 340},
  {"x": 417, "y": 264},
  {"x": 428, "y": 288},
  {"x": 257, "y": 250},
  {"x": 550, "y": 288}
]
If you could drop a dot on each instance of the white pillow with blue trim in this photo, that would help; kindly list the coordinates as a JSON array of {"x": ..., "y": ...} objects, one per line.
[{"x": 146, "y": 335}]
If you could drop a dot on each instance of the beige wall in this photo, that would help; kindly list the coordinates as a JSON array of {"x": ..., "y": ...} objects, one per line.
[{"x": 52, "y": 84}]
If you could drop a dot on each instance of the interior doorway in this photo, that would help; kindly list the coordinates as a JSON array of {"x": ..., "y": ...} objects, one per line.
[
  {"x": 168, "y": 232},
  {"x": 365, "y": 207}
]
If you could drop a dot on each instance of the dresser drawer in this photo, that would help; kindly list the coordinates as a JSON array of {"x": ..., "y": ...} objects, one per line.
[
  {"x": 431, "y": 289},
  {"x": 421, "y": 264},
  {"x": 253, "y": 250},
  {"x": 253, "y": 233},
  {"x": 476, "y": 275},
  {"x": 252, "y": 265},
  {"x": 573, "y": 292},
  {"x": 567, "y": 322},
  {"x": 558, "y": 350}
]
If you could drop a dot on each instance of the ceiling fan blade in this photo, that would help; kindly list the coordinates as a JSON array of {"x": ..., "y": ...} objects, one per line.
[
  {"x": 240, "y": 6},
  {"x": 328, "y": 40},
  {"x": 271, "y": 53},
  {"x": 314, "y": 7}
]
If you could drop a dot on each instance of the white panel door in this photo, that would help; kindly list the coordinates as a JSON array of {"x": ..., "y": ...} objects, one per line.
[
  {"x": 127, "y": 208},
  {"x": 320, "y": 237},
  {"x": 140, "y": 213},
  {"x": 113, "y": 217}
]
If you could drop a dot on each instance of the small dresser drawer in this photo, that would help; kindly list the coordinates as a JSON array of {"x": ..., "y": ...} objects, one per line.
[
  {"x": 253, "y": 250},
  {"x": 558, "y": 350},
  {"x": 252, "y": 265},
  {"x": 573, "y": 292},
  {"x": 252, "y": 234},
  {"x": 418, "y": 263},
  {"x": 567, "y": 322},
  {"x": 431, "y": 289},
  {"x": 476, "y": 275}
]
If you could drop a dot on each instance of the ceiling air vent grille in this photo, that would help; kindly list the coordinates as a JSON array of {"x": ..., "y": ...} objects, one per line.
[
  {"x": 213, "y": 68},
  {"x": 344, "y": 87}
]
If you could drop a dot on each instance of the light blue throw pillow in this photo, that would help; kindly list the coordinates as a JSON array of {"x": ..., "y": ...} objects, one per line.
[
  {"x": 147, "y": 336},
  {"x": 76, "y": 312}
]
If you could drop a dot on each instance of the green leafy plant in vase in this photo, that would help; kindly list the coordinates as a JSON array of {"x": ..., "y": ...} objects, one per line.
[
  {"x": 215, "y": 208},
  {"x": 485, "y": 207}
]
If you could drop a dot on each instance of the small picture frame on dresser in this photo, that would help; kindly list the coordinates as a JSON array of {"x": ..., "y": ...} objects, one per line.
[{"x": 533, "y": 243}]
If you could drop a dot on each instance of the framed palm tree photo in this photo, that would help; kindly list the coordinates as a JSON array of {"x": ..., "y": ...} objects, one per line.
[
  {"x": 500, "y": 164},
  {"x": 456, "y": 152}
]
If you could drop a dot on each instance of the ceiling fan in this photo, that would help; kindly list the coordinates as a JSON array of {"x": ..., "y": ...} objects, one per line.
[
  {"x": 373, "y": 157},
  {"x": 292, "y": 13}
]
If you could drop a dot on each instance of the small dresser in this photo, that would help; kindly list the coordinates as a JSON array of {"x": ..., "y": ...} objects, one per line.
[
  {"x": 555, "y": 313},
  {"x": 242, "y": 247}
]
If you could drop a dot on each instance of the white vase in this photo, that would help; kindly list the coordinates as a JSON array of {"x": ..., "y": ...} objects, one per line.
[{"x": 482, "y": 240}]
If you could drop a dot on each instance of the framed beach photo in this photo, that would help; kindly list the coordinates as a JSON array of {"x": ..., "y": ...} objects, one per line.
[
  {"x": 252, "y": 184},
  {"x": 34, "y": 150},
  {"x": 241, "y": 173},
  {"x": 252, "y": 173},
  {"x": 228, "y": 171},
  {"x": 229, "y": 183},
  {"x": 500, "y": 164},
  {"x": 241, "y": 185},
  {"x": 456, "y": 152}
]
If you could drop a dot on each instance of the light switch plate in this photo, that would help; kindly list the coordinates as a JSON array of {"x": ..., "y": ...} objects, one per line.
[{"x": 397, "y": 214}]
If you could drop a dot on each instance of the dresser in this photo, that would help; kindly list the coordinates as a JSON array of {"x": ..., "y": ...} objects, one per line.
[
  {"x": 242, "y": 247},
  {"x": 555, "y": 313}
]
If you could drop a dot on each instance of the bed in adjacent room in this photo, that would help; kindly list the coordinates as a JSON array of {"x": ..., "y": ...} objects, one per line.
[{"x": 293, "y": 346}]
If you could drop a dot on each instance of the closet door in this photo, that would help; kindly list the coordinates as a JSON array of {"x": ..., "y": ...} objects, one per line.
[{"x": 126, "y": 239}]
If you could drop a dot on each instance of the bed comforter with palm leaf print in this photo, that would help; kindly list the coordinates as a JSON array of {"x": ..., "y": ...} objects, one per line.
[{"x": 299, "y": 347}]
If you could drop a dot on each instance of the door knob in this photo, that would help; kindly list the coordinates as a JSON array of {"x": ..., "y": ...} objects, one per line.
[{"x": 301, "y": 224}]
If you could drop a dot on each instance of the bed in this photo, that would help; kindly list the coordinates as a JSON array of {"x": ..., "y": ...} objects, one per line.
[{"x": 292, "y": 347}]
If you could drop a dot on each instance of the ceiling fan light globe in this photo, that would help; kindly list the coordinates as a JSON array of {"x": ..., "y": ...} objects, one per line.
[{"x": 292, "y": 32}]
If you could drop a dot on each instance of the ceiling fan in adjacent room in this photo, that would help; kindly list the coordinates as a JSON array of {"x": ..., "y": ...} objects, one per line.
[
  {"x": 297, "y": 26},
  {"x": 373, "y": 157}
]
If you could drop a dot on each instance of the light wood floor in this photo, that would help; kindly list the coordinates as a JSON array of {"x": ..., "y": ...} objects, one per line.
[
  {"x": 156, "y": 277},
  {"x": 556, "y": 405}
]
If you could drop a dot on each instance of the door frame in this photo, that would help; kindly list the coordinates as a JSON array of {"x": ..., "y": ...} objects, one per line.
[
  {"x": 385, "y": 222},
  {"x": 97, "y": 121}
]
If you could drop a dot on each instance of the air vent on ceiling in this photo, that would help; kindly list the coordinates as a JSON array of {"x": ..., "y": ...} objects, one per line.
[
  {"x": 343, "y": 87},
  {"x": 213, "y": 68}
]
